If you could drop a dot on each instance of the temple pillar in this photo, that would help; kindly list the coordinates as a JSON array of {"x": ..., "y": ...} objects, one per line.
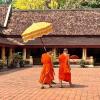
[
  {"x": 24, "y": 53},
  {"x": 54, "y": 54},
  {"x": 3, "y": 55},
  {"x": 84, "y": 54},
  {"x": 10, "y": 55},
  {"x": 29, "y": 57}
]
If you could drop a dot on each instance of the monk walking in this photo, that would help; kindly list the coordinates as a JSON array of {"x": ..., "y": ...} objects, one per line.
[
  {"x": 47, "y": 73},
  {"x": 64, "y": 68}
]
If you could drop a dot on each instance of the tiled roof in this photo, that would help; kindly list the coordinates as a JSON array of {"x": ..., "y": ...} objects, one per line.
[
  {"x": 65, "y": 22},
  {"x": 5, "y": 41},
  {"x": 64, "y": 41},
  {"x": 76, "y": 42},
  {"x": 3, "y": 12}
]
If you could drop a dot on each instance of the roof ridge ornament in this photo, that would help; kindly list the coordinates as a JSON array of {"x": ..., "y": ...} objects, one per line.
[{"x": 7, "y": 16}]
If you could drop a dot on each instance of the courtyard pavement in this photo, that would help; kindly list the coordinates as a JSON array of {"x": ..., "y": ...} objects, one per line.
[{"x": 22, "y": 84}]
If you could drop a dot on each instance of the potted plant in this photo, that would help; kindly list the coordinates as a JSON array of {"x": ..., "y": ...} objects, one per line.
[
  {"x": 1, "y": 65},
  {"x": 22, "y": 63},
  {"x": 19, "y": 60},
  {"x": 82, "y": 63}
]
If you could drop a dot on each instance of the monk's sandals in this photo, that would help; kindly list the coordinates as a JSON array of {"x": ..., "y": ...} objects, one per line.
[
  {"x": 53, "y": 82},
  {"x": 42, "y": 87},
  {"x": 50, "y": 86}
]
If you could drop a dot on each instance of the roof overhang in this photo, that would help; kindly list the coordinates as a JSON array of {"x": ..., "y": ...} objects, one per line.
[{"x": 69, "y": 42}]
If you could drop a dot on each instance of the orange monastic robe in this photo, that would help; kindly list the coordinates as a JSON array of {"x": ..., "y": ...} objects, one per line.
[
  {"x": 47, "y": 74},
  {"x": 64, "y": 68}
]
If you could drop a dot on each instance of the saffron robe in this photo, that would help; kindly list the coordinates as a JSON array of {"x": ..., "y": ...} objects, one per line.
[
  {"x": 47, "y": 73},
  {"x": 64, "y": 68}
]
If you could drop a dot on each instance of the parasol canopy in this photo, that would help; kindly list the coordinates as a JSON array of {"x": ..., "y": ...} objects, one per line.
[{"x": 37, "y": 30}]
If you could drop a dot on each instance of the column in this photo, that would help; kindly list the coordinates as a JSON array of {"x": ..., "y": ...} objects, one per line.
[
  {"x": 3, "y": 55},
  {"x": 84, "y": 54},
  {"x": 10, "y": 55},
  {"x": 54, "y": 55},
  {"x": 24, "y": 53},
  {"x": 91, "y": 60},
  {"x": 29, "y": 58}
]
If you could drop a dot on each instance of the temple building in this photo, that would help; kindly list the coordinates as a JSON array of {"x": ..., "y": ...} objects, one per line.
[{"x": 77, "y": 30}]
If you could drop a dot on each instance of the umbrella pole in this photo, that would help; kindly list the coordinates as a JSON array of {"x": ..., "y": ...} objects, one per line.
[{"x": 43, "y": 44}]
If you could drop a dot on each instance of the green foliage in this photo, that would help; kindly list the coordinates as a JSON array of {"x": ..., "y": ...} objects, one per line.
[
  {"x": 72, "y": 4},
  {"x": 84, "y": 63},
  {"x": 91, "y": 4},
  {"x": 1, "y": 64},
  {"x": 61, "y": 3},
  {"x": 17, "y": 56},
  {"x": 53, "y": 4},
  {"x": 5, "y": 1},
  {"x": 84, "y": 3},
  {"x": 94, "y": 4},
  {"x": 0, "y": 1}
]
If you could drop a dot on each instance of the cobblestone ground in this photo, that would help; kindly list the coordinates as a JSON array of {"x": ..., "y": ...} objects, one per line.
[{"x": 22, "y": 84}]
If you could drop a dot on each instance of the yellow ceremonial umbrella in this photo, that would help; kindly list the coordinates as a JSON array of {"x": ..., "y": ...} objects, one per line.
[{"x": 37, "y": 30}]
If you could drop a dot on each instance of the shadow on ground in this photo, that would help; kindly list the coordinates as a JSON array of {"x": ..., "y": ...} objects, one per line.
[
  {"x": 79, "y": 86},
  {"x": 8, "y": 71},
  {"x": 68, "y": 86}
]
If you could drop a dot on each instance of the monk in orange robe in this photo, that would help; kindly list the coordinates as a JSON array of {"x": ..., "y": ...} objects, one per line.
[
  {"x": 47, "y": 73},
  {"x": 64, "y": 68}
]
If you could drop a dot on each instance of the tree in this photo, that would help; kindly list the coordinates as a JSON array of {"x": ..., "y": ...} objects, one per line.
[
  {"x": 35, "y": 4},
  {"x": 72, "y": 4},
  {"x": 61, "y": 3},
  {"x": 94, "y": 4},
  {"x": 28, "y": 4},
  {"x": 1, "y": 1},
  {"x": 53, "y": 4},
  {"x": 5, "y": 1},
  {"x": 91, "y": 4}
]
